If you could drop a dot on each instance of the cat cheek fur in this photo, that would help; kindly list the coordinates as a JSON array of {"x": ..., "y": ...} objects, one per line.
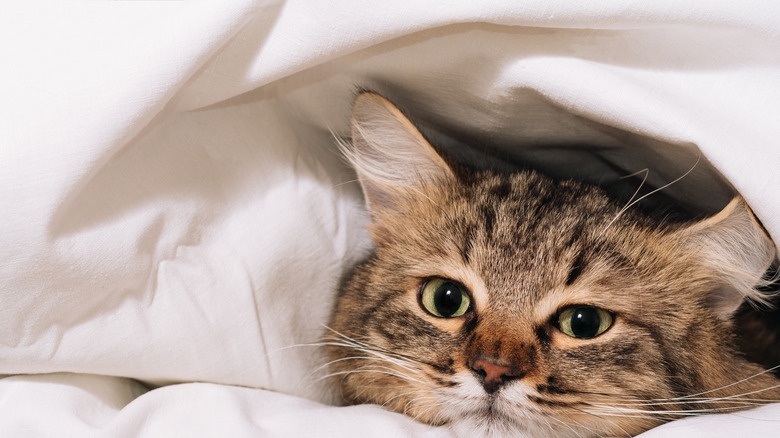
[{"x": 525, "y": 247}]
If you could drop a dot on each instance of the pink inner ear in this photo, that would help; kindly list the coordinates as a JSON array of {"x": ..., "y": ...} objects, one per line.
[{"x": 724, "y": 301}]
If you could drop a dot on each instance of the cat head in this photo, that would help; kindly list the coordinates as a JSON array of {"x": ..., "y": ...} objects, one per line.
[{"x": 519, "y": 305}]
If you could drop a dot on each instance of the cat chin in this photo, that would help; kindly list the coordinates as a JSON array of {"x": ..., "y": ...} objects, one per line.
[
  {"x": 506, "y": 415},
  {"x": 481, "y": 417},
  {"x": 494, "y": 426}
]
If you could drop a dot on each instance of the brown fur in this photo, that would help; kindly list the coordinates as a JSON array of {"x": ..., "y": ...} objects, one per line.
[{"x": 524, "y": 247}]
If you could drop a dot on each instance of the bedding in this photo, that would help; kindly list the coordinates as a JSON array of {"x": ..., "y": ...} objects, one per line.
[{"x": 176, "y": 215}]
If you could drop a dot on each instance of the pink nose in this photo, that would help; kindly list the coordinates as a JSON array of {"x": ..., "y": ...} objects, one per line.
[{"x": 494, "y": 373}]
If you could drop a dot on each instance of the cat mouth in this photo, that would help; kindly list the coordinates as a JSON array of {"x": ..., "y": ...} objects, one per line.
[
  {"x": 492, "y": 412},
  {"x": 493, "y": 418}
]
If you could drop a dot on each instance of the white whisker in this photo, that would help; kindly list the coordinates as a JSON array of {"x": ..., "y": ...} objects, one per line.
[
  {"x": 633, "y": 201},
  {"x": 602, "y": 418},
  {"x": 373, "y": 369},
  {"x": 552, "y": 417}
]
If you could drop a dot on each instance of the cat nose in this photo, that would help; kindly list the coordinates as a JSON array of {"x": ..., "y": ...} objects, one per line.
[{"x": 491, "y": 374}]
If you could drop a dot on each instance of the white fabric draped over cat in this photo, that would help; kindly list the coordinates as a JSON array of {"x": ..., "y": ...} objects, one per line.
[{"x": 174, "y": 208}]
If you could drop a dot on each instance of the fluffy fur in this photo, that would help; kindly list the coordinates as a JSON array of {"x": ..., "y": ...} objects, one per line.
[{"x": 525, "y": 247}]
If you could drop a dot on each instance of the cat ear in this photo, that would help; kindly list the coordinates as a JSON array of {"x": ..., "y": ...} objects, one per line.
[
  {"x": 738, "y": 249},
  {"x": 392, "y": 159}
]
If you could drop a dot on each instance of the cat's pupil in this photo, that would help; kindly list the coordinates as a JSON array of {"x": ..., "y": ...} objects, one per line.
[
  {"x": 585, "y": 322},
  {"x": 447, "y": 299}
]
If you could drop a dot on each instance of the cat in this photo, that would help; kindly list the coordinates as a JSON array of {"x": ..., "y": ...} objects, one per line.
[{"x": 514, "y": 305}]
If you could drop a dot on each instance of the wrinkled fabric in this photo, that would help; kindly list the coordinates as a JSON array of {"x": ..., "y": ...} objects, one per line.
[{"x": 175, "y": 208}]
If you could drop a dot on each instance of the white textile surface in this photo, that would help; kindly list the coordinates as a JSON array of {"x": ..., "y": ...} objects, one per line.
[{"x": 174, "y": 209}]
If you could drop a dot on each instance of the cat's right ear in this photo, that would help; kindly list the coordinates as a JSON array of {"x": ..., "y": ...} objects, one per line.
[{"x": 392, "y": 158}]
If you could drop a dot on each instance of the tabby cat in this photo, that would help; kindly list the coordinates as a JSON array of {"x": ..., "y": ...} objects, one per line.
[{"x": 516, "y": 305}]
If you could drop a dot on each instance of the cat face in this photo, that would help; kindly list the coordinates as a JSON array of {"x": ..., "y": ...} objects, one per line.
[{"x": 514, "y": 305}]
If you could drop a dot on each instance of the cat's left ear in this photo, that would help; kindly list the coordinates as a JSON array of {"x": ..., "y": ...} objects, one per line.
[
  {"x": 737, "y": 249},
  {"x": 392, "y": 158}
]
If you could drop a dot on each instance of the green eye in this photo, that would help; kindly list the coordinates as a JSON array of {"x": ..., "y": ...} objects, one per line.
[
  {"x": 444, "y": 298},
  {"x": 584, "y": 322}
]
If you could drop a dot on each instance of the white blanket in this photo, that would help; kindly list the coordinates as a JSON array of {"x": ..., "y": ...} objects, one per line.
[{"x": 174, "y": 209}]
